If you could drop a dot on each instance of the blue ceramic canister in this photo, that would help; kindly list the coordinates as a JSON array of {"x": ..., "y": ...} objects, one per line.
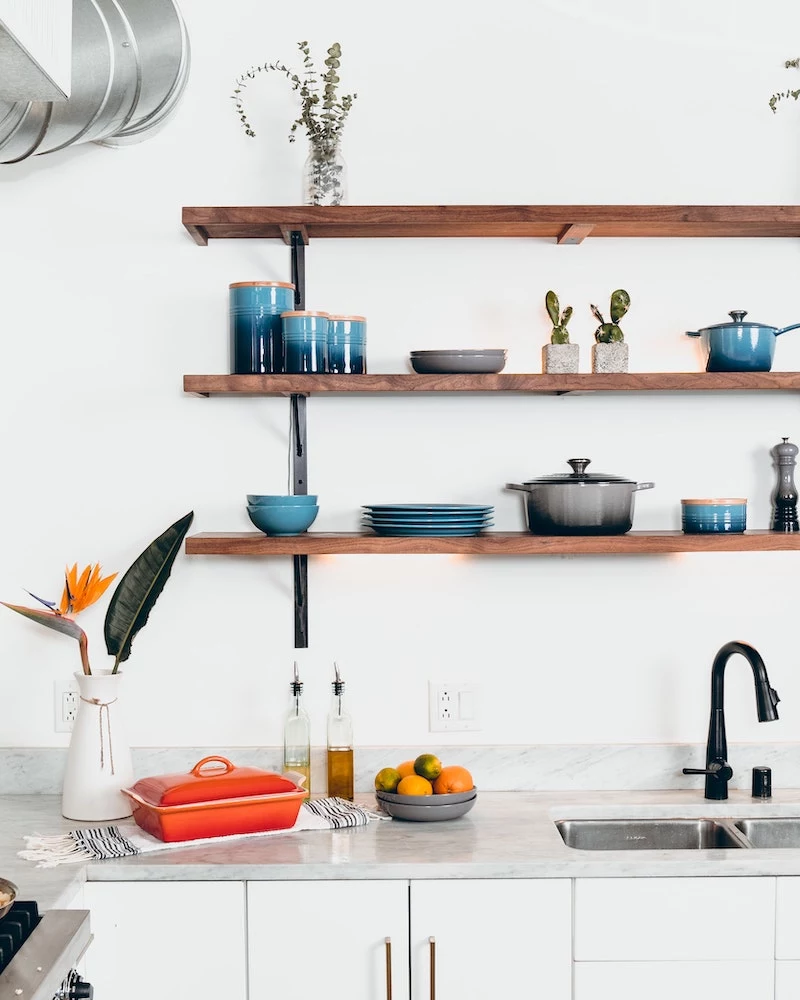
[
  {"x": 255, "y": 325},
  {"x": 712, "y": 516},
  {"x": 347, "y": 345},
  {"x": 305, "y": 341}
]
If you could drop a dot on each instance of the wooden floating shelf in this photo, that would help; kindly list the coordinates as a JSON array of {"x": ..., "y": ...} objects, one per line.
[
  {"x": 562, "y": 223},
  {"x": 306, "y": 385},
  {"x": 498, "y": 543}
]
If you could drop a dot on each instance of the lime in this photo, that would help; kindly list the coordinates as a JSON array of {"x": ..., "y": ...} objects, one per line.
[
  {"x": 387, "y": 779},
  {"x": 428, "y": 765}
]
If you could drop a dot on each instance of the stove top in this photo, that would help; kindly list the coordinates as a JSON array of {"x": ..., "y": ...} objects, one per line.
[{"x": 38, "y": 953}]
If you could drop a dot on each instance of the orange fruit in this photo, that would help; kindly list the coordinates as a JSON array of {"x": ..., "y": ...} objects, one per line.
[
  {"x": 453, "y": 778},
  {"x": 387, "y": 779},
  {"x": 428, "y": 765},
  {"x": 406, "y": 768},
  {"x": 413, "y": 784}
]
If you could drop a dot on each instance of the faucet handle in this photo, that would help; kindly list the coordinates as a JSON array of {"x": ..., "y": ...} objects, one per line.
[{"x": 720, "y": 770}]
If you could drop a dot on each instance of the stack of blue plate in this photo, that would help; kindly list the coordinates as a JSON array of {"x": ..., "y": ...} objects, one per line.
[{"x": 459, "y": 519}]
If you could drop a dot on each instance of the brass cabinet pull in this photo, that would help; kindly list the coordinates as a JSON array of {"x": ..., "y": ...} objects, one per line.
[
  {"x": 432, "y": 946},
  {"x": 388, "y": 944}
]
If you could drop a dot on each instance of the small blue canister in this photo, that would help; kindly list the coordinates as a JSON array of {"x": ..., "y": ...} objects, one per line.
[
  {"x": 347, "y": 345},
  {"x": 700, "y": 517},
  {"x": 305, "y": 341},
  {"x": 255, "y": 325}
]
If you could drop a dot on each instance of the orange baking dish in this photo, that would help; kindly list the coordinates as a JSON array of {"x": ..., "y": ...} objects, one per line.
[{"x": 217, "y": 801}]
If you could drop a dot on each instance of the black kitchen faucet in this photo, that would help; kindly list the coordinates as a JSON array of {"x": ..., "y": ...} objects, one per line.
[{"x": 718, "y": 771}]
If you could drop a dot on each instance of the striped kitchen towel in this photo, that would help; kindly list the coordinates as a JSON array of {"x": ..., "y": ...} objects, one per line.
[{"x": 122, "y": 840}]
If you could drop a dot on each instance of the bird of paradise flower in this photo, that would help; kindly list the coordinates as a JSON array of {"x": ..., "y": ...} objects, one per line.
[{"x": 130, "y": 604}]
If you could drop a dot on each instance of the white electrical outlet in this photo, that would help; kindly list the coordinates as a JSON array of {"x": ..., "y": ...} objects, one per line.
[
  {"x": 65, "y": 705},
  {"x": 452, "y": 707}
]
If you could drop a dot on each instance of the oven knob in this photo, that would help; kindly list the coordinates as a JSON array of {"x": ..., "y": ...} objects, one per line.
[{"x": 81, "y": 990}]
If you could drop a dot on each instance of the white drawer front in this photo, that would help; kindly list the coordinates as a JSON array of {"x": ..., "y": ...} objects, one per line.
[
  {"x": 787, "y": 922},
  {"x": 674, "y": 919},
  {"x": 670, "y": 980}
]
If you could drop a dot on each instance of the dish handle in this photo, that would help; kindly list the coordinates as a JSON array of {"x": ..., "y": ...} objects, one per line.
[{"x": 197, "y": 769}]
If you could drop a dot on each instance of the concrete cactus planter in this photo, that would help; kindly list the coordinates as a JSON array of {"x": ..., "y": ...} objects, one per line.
[
  {"x": 560, "y": 359},
  {"x": 610, "y": 357}
]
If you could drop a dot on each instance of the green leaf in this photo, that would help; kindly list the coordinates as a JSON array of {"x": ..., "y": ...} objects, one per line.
[
  {"x": 139, "y": 589},
  {"x": 551, "y": 301}
]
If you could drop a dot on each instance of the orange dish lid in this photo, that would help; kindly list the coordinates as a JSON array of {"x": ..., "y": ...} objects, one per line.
[
  {"x": 209, "y": 783},
  {"x": 261, "y": 284}
]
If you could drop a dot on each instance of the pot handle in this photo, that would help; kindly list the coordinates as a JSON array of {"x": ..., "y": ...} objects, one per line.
[
  {"x": 783, "y": 329},
  {"x": 197, "y": 769},
  {"x": 517, "y": 486},
  {"x": 643, "y": 486},
  {"x": 693, "y": 333}
]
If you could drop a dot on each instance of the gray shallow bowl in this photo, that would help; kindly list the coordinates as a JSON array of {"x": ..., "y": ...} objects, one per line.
[
  {"x": 10, "y": 889},
  {"x": 431, "y": 812},
  {"x": 458, "y": 364},
  {"x": 448, "y": 798}
]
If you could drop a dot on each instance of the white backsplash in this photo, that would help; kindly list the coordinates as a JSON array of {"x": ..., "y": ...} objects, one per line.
[{"x": 546, "y": 767}]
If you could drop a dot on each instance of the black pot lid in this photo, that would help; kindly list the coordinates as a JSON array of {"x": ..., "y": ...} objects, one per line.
[
  {"x": 578, "y": 475},
  {"x": 737, "y": 318}
]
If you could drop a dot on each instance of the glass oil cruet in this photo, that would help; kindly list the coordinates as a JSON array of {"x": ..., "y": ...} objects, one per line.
[
  {"x": 340, "y": 743},
  {"x": 297, "y": 734}
]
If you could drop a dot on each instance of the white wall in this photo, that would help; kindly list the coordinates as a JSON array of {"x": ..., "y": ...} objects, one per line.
[{"x": 107, "y": 303}]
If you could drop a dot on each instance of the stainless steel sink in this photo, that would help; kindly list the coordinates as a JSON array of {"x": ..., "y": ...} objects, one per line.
[
  {"x": 770, "y": 832},
  {"x": 652, "y": 834}
]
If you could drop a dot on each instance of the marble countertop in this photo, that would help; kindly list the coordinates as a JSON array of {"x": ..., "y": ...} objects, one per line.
[{"x": 506, "y": 835}]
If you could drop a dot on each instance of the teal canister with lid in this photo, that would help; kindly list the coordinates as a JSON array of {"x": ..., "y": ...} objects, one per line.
[
  {"x": 305, "y": 341},
  {"x": 347, "y": 345},
  {"x": 255, "y": 325}
]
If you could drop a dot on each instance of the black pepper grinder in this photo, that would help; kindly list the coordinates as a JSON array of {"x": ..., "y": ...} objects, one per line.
[{"x": 784, "y": 496}]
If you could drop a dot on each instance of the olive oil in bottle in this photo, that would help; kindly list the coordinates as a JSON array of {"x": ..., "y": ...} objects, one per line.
[
  {"x": 340, "y": 743},
  {"x": 297, "y": 734}
]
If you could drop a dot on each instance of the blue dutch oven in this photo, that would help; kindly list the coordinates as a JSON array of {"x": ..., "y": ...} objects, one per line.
[{"x": 739, "y": 346}]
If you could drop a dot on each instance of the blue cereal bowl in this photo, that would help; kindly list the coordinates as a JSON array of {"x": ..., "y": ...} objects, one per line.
[
  {"x": 713, "y": 516},
  {"x": 289, "y": 500},
  {"x": 283, "y": 520}
]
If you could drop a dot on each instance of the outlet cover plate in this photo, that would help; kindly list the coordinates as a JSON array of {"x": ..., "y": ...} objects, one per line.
[
  {"x": 453, "y": 707},
  {"x": 65, "y": 705}
]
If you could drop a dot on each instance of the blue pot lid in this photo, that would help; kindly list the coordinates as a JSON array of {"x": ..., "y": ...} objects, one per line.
[{"x": 737, "y": 319}]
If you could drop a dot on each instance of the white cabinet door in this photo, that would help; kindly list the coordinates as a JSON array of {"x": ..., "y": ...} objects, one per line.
[
  {"x": 163, "y": 940},
  {"x": 491, "y": 938},
  {"x": 787, "y": 980},
  {"x": 674, "y": 919},
  {"x": 787, "y": 920},
  {"x": 328, "y": 939},
  {"x": 670, "y": 980}
]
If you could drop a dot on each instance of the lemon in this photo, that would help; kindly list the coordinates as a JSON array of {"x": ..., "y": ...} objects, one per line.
[
  {"x": 387, "y": 779},
  {"x": 413, "y": 784},
  {"x": 428, "y": 765}
]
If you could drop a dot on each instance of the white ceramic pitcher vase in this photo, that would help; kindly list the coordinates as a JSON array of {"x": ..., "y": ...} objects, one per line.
[{"x": 99, "y": 760}]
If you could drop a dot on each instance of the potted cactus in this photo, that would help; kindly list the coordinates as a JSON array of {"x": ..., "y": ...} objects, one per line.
[
  {"x": 610, "y": 352},
  {"x": 559, "y": 357}
]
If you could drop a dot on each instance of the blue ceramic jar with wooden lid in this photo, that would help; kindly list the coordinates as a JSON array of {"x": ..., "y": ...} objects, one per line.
[
  {"x": 305, "y": 341},
  {"x": 347, "y": 345},
  {"x": 255, "y": 325}
]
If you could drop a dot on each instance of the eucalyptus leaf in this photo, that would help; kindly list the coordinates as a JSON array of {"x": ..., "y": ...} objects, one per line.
[{"x": 139, "y": 590}]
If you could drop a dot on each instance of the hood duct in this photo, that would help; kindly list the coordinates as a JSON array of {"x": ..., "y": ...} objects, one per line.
[{"x": 130, "y": 64}]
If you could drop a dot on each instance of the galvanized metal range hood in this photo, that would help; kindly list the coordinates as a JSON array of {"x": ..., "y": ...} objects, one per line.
[{"x": 129, "y": 64}]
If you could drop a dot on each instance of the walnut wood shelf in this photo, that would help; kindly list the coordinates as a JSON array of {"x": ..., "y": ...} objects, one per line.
[
  {"x": 497, "y": 543},
  {"x": 306, "y": 385},
  {"x": 563, "y": 223}
]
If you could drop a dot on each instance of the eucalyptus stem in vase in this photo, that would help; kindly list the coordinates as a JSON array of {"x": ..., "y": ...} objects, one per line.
[{"x": 323, "y": 114}]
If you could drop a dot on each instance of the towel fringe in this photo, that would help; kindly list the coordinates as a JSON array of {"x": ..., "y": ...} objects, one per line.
[{"x": 54, "y": 850}]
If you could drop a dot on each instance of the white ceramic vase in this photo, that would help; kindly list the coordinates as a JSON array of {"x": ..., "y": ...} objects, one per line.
[{"x": 99, "y": 760}]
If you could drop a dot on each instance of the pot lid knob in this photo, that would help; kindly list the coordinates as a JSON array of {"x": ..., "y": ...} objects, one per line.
[
  {"x": 579, "y": 465},
  {"x": 737, "y": 315}
]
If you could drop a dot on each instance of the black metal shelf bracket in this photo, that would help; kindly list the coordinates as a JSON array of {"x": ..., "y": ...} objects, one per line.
[{"x": 298, "y": 461}]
